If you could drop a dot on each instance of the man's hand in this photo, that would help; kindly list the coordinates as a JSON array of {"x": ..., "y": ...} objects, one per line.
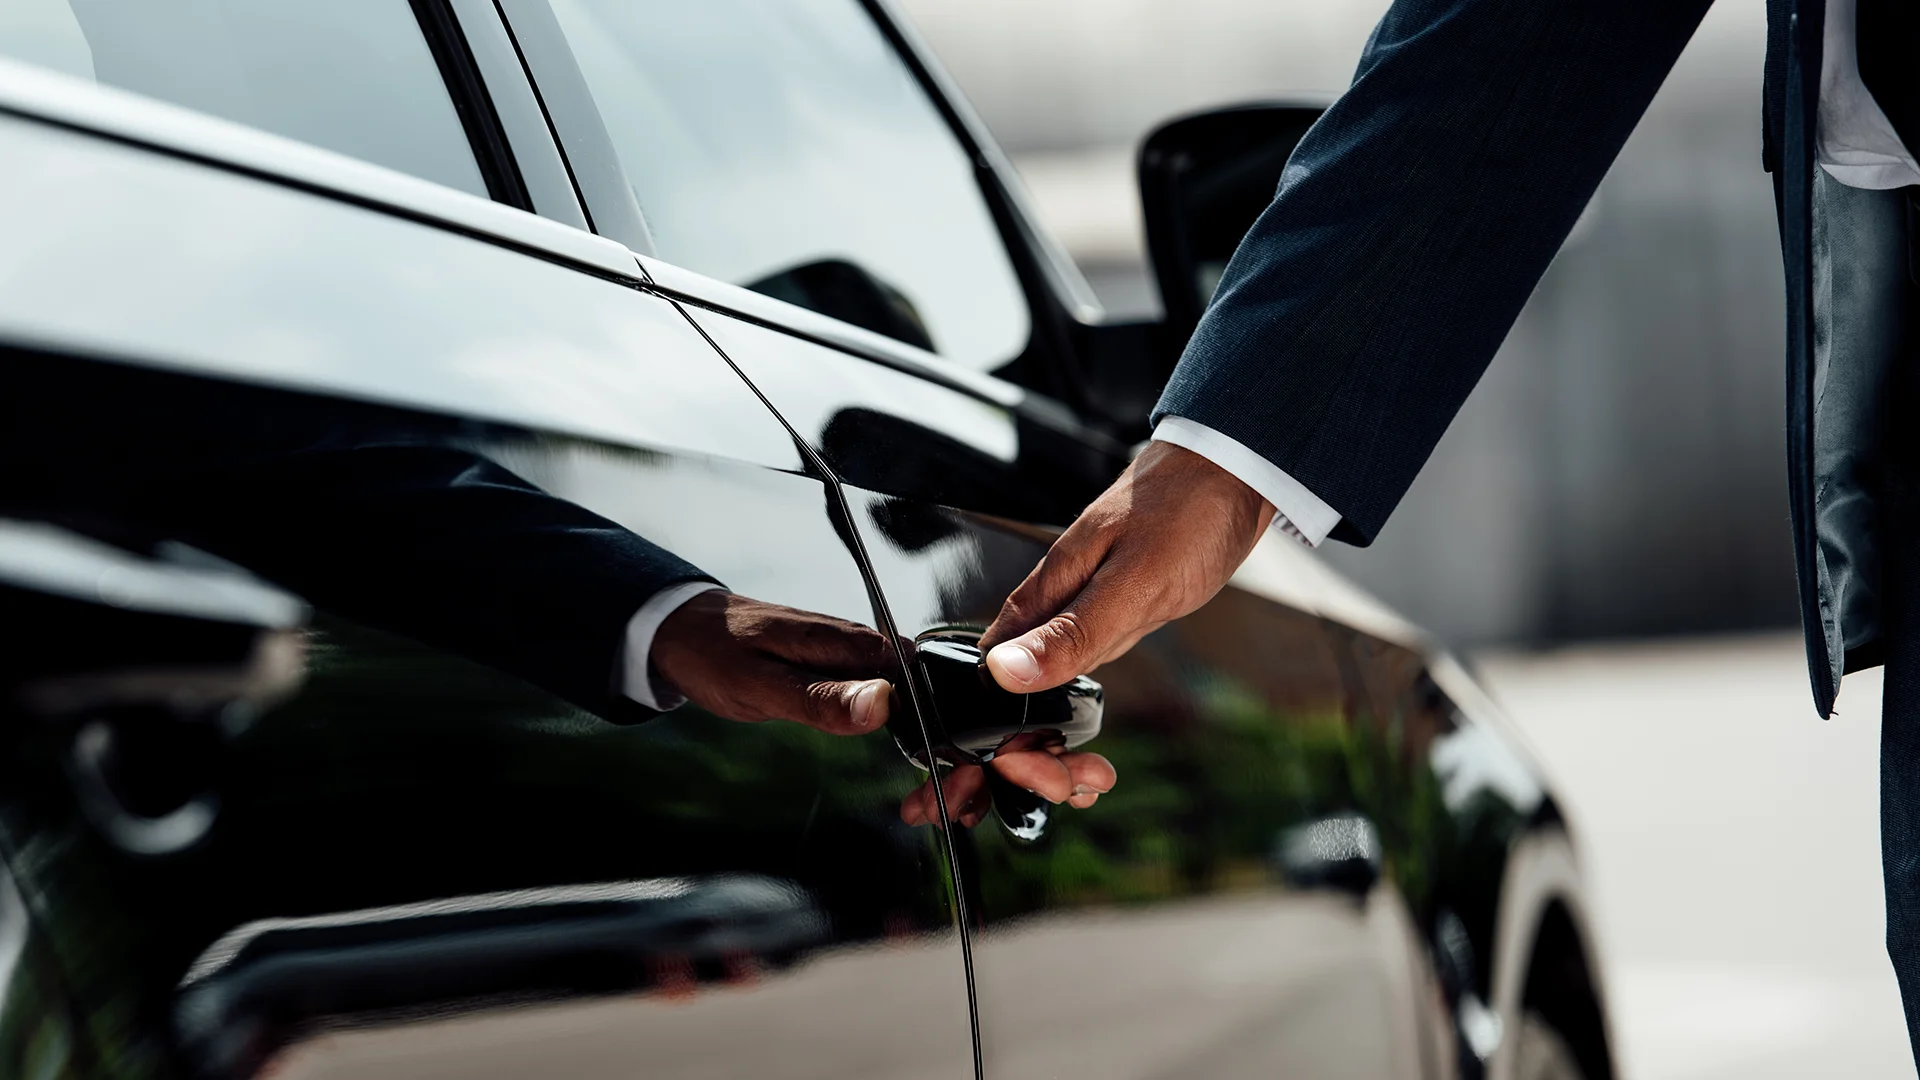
[
  {"x": 748, "y": 660},
  {"x": 1154, "y": 547}
]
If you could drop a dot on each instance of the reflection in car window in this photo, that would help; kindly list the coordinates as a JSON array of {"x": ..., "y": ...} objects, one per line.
[
  {"x": 354, "y": 76},
  {"x": 782, "y": 145}
]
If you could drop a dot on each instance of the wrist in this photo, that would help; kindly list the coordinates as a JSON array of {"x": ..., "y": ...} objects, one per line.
[
  {"x": 679, "y": 639},
  {"x": 1224, "y": 495}
]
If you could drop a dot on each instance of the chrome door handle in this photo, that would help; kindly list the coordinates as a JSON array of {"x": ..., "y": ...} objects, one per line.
[{"x": 974, "y": 719}]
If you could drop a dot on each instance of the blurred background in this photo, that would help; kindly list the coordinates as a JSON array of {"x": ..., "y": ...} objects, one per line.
[{"x": 1604, "y": 529}]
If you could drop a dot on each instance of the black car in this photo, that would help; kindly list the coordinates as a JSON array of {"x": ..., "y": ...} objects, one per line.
[{"x": 314, "y": 316}]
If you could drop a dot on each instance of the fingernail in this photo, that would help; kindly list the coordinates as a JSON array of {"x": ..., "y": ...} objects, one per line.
[
  {"x": 1085, "y": 789},
  {"x": 868, "y": 704},
  {"x": 1017, "y": 661}
]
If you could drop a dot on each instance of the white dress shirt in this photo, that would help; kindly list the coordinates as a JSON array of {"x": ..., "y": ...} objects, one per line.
[
  {"x": 1300, "y": 513},
  {"x": 1854, "y": 143},
  {"x": 636, "y": 673}
]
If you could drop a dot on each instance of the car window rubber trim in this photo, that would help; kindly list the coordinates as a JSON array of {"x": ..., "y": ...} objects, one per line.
[{"x": 461, "y": 76}]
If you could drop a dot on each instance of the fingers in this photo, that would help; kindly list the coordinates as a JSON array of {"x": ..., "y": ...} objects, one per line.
[
  {"x": 965, "y": 790},
  {"x": 1059, "y": 776},
  {"x": 968, "y": 799},
  {"x": 1055, "y": 774},
  {"x": 1107, "y": 612},
  {"x": 1036, "y": 770},
  {"x": 1153, "y": 547},
  {"x": 1093, "y": 776},
  {"x": 1062, "y": 573},
  {"x": 826, "y": 644},
  {"x": 844, "y": 708},
  {"x": 918, "y": 807},
  {"x": 774, "y": 691},
  {"x": 1026, "y": 606},
  {"x": 748, "y": 660}
]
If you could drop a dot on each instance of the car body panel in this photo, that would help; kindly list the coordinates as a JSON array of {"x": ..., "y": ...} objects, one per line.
[
  {"x": 1292, "y": 702},
  {"x": 415, "y": 834},
  {"x": 1308, "y": 866},
  {"x": 265, "y": 397},
  {"x": 28, "y": 91},
  {"x": 1174, "y": 944},
  {"x": 888, "y": 430},
  {"x": 40, "y": 1030},
  {"x": 703, "y": 291},
  {"x": 116, "y": 252},
  {"x": 523, "y": 119},
  {"x": 605, "y": 194}
]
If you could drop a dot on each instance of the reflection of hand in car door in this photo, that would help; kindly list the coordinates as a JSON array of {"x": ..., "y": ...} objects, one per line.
[
  {"x": 749, "y": 660},
  {"x": 1034, "y": 761},
  {"x": 396, "y": 521}
]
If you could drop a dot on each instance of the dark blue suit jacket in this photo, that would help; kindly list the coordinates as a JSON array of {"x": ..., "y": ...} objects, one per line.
[{"x": 1416, "y": 217}]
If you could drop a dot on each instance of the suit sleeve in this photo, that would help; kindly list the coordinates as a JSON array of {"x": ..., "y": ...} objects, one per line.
[
  {"x": 1410, "y": 226},
  {"x": 392, "y": 518},
  {"x": 450, "y": 548},
  {"x": 445, "y": 546}
]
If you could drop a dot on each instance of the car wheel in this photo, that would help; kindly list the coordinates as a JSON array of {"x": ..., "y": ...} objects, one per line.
[{"x": 1540, "y": 1053}]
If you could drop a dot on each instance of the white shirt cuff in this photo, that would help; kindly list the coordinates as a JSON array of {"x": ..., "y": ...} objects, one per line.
[
  {"x": 636, "y": 674},
  {"x": 1300, "y": 513}
]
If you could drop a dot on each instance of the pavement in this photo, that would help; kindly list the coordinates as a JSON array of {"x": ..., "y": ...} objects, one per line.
[{"x": 1730, "y": 841}]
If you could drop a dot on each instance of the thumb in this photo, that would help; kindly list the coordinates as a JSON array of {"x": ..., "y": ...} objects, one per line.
[
  {"x": 1064, "y": 646},
  {"x": 1047, "y": 656}
]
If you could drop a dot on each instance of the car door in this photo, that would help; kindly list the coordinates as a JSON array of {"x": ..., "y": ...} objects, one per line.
[
  {"x": 1225, "y": 910},
  {"x": 452, "y": 842},
  {"x": 1249, "y": 898}
]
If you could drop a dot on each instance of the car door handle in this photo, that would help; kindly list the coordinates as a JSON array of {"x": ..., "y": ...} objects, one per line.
[{"x": 973, "y": 719}]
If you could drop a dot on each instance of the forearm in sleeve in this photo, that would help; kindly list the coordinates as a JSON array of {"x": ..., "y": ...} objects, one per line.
[{"x": 1410, "y": 226}]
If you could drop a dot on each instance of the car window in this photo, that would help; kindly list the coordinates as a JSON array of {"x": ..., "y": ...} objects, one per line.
[
  {"x": 783, "y": 145},
  {"x": 354, "y": 76}
]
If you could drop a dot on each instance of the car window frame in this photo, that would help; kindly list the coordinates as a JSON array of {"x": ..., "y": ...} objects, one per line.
[
  {"x": 574, "y": 120},
  {"x": 1058, "y": 300},
  {"x": 495, "y": 148},
  {"x": 460, "y": 74},
  {"x": 507, "y": 89}
]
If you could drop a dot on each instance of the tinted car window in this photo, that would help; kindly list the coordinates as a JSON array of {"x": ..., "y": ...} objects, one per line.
[
  {"x": 782, "y": 145},
  {"x": 354, "y": 76}
]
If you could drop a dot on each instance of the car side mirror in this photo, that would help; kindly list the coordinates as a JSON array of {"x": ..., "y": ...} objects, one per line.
[{"x": 1204, "y": 179}]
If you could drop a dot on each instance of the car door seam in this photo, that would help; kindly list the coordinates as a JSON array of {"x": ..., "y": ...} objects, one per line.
[{"x": 921, "y": 703}]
